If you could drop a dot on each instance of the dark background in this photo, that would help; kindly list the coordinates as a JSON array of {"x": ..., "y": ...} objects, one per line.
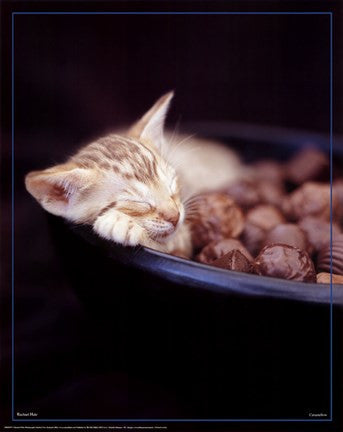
[{"x": 77, "y": 77}]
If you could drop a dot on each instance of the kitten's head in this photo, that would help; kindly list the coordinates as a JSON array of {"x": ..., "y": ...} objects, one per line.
[{"x": 125, "y": 172}]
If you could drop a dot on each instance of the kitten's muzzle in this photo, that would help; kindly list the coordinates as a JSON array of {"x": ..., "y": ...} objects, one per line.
[
  {"x": 172, "y": 217},
  {"x": 158, "y": 229}
]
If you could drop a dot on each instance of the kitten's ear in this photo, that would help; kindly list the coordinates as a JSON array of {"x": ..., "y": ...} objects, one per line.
[
  {"x": 150, "y": 127},
  {"x": 57, "y": 188}
]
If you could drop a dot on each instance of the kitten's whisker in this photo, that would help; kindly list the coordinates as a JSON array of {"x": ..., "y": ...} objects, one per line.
[
  {"x": 181, "y": 156},
  {"x": 175, "y": 132},
  {"x": 173, "y": 148},
  {"x": 173, "y": 151},
  {"x": 191, "y": 213},
  {"x": 192, "y": 210},
  {"x": 190, "y": 197},
  {"x": 193, "y": 205},
  {"x": 137, "y": 249},
  {"x": 193, "y": 200}
]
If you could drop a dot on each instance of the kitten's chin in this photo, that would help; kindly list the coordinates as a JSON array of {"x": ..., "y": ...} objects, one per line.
[
  {"x": 161, "y": 236},
  {"x": 159, "y": 231}
]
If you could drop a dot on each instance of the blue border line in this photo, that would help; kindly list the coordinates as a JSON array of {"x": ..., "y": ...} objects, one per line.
[
  {"x": 172, "y": 420},
  {"x": 171, "y": 13},
  {"x": 331, "y": 159},
  {"x": 12, "y": 219},
  {"x": 331, "y": 178}
]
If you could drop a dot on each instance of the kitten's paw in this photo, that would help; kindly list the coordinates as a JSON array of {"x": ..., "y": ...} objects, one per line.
[
  {"x": 135, "y": 235},
  {"x": 120, "y": 228}
]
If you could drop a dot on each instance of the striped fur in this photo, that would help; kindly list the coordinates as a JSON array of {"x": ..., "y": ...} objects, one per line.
[
  {"x": 126, "y": 187},
  {"x": 120, "y": 184}
]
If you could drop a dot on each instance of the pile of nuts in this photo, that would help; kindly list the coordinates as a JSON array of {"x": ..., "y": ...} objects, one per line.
[{"x": 275, "y": 223}]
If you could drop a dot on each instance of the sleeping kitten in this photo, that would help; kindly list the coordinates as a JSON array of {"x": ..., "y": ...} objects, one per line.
[{"x": 126, "y": 189}]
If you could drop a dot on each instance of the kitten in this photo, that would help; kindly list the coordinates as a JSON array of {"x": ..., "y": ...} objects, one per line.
[{"x": 123, "y": 185}]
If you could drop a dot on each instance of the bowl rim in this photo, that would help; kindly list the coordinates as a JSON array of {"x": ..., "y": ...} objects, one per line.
[
  {"x": 209, "y": 278},
  {"x": 213, "y": 279}
]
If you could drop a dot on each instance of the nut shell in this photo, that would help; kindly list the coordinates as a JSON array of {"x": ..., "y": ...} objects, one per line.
[
  {"x": 311, "y": 199},
  {"x": 307, "y": 165},
  {"x": 324, "y": 256},
  {"x": 269, "y": 170},
  {"x": 289, "y": 234},
  {"x": 337, "y": 187},
  {"x": 214, "y": 216},
  {"x": 318, "y": 231},
  {"x": 325, "y": 278},
  {"x": 234, "y": 260},
  {"x": 245, "y": 193},
  {"x": 253, "y": 237},
  {"x": 271, "y": 193},
  {"x": 252, "y": 192},
  {"x": 286, "y": 262},
  {"x": 265, "y": 216},
  {"x": 217, "y": 249}
]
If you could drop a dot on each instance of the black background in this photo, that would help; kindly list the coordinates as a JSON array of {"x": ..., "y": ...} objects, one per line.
[
  {"x": 80, "y": 76},
  {"x": 77, "y": 77}
]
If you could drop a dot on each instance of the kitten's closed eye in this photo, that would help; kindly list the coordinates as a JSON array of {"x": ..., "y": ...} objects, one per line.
[
  {"x": 134, "y": 208},
  {"x": 121, "y": 184}
]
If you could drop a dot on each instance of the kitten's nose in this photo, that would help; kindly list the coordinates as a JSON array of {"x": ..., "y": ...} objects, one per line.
[{"x": 171, "y": 216}]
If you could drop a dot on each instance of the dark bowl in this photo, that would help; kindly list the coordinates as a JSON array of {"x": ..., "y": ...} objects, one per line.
[
  {"x": 253, "y": 142},
  {"x": 212, "y": 343}
]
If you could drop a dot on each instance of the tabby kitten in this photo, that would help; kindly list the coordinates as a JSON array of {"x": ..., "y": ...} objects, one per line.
[{"x": 127, "y": 190}]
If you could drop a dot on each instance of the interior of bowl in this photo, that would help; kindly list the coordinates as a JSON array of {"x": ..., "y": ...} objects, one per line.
[{"x": 253, "y": 143}]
